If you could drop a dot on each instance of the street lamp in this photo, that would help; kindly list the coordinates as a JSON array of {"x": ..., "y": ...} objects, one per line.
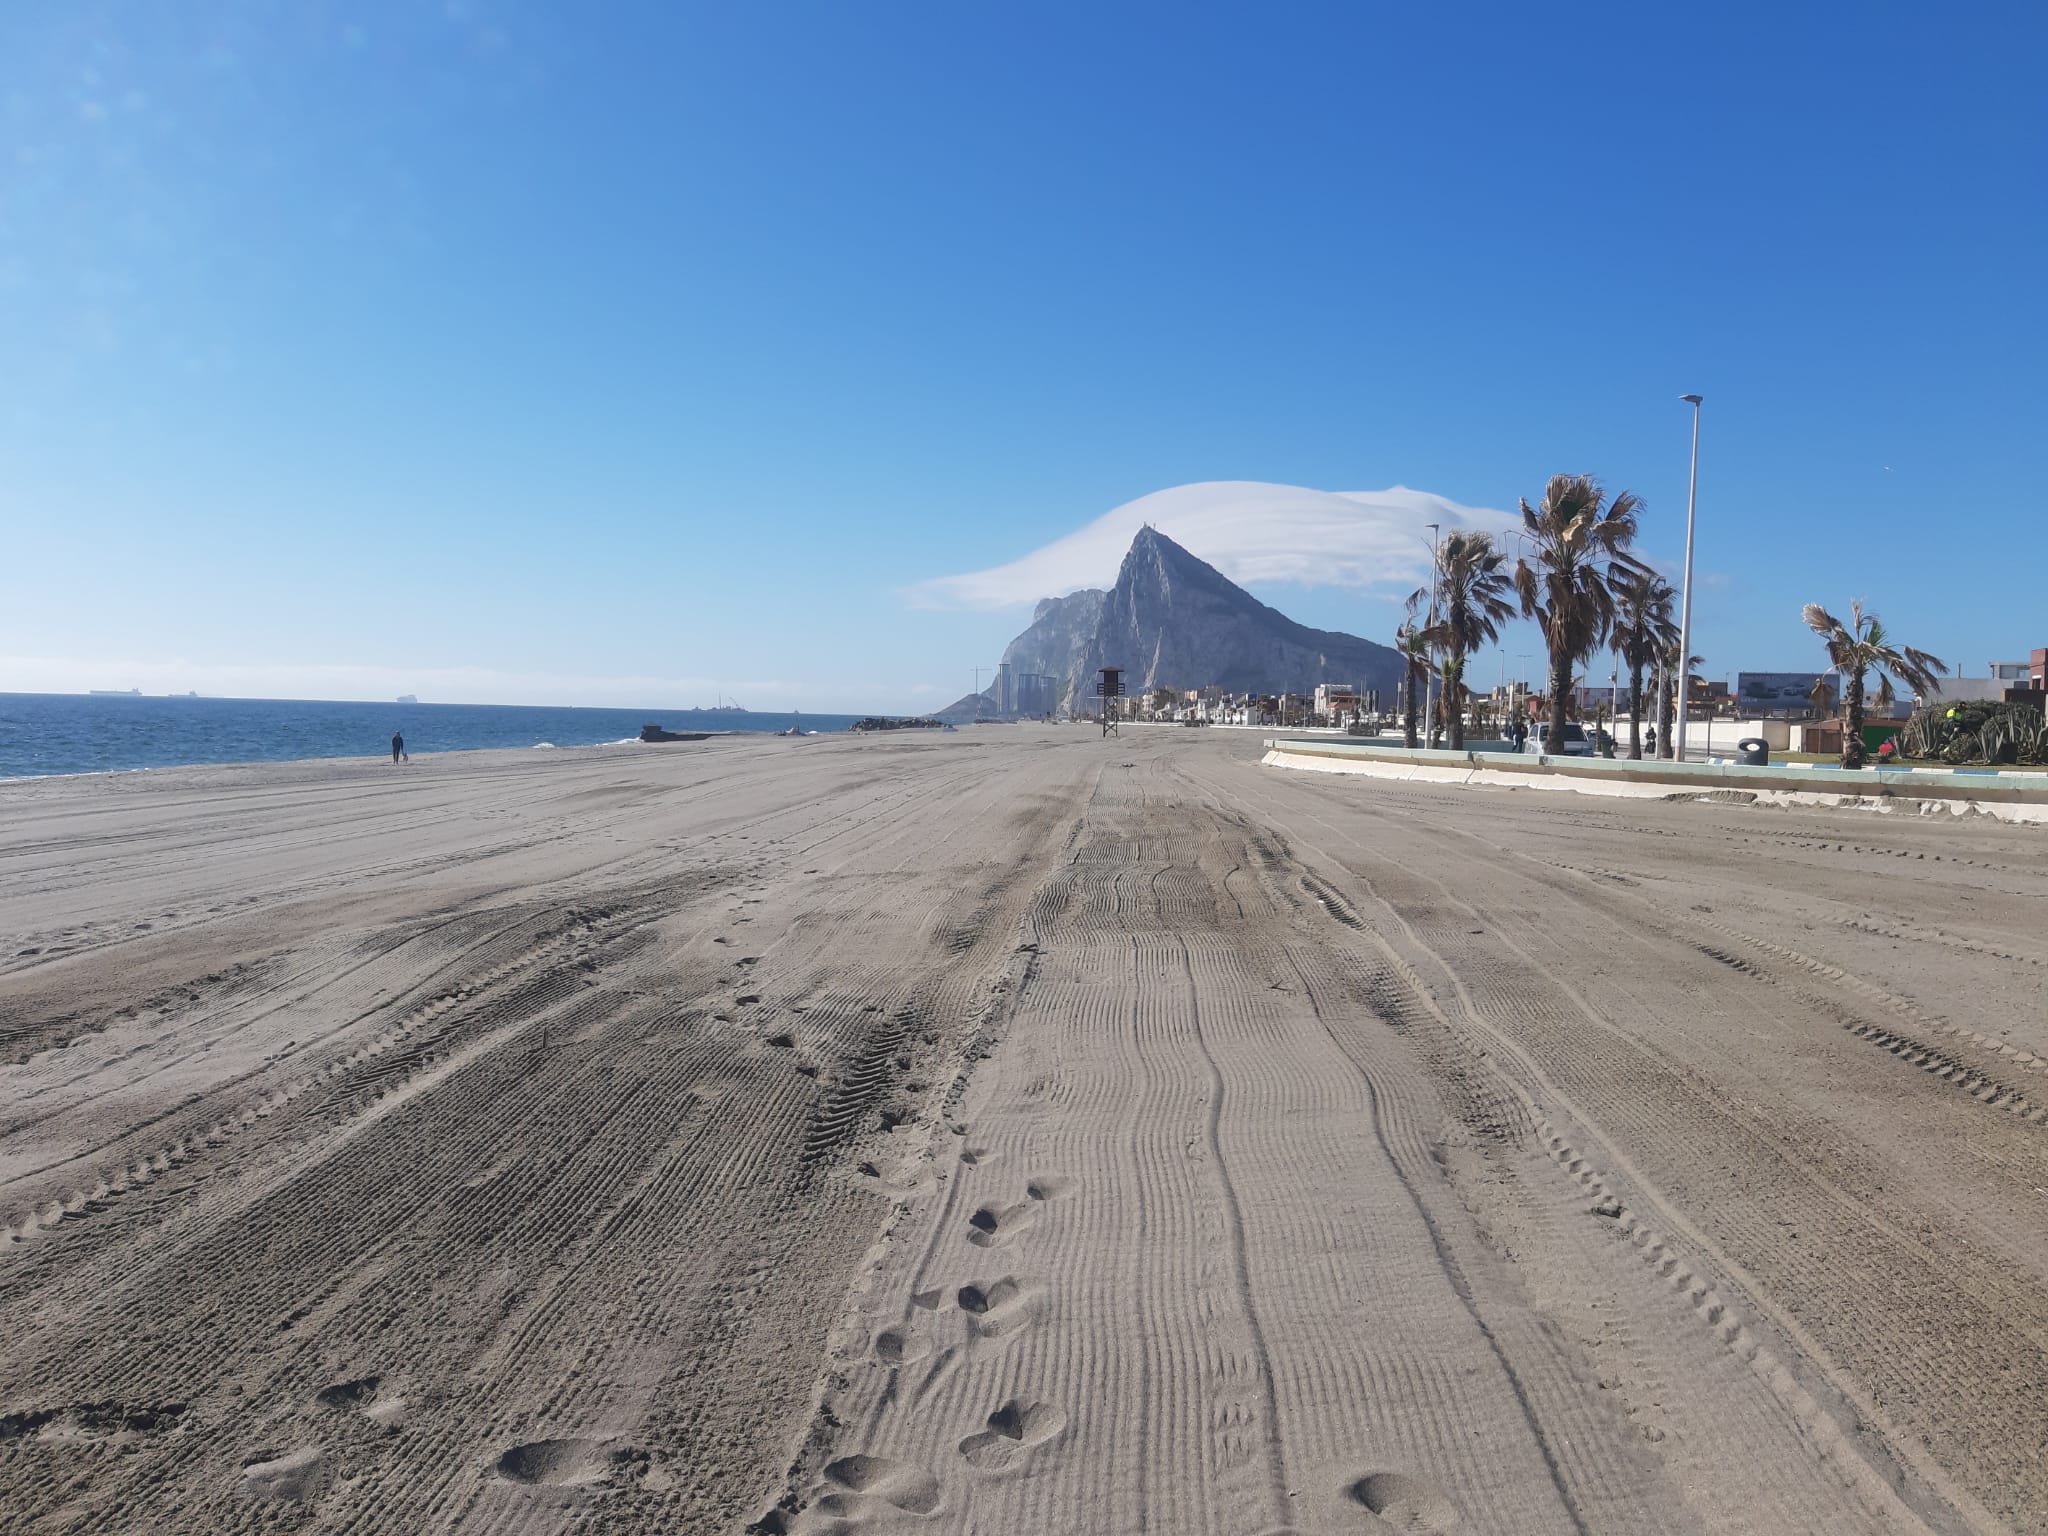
[
  {"x": 1429, "y": 677},
  {"x": 1685, "y": 597}
]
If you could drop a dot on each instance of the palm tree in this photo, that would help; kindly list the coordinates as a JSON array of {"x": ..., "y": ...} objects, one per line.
[
  {"x": 1412, "y": 641},
  {"x": 1643, "y": 631},
  {"x": 1579, "y": 535},
  {"x": 1860, "y": 647},
  {"x": 1472, "y": 592}
]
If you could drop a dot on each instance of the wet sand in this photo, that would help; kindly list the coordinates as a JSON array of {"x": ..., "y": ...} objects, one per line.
[{"x": 1010, "y": 1131}]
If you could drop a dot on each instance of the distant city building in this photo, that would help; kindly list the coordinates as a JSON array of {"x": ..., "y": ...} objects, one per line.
[
  {"x": 1588, "y": 698},
  {"x": 1033, "y": 693},
  {"x": 1335, "y": 699}
]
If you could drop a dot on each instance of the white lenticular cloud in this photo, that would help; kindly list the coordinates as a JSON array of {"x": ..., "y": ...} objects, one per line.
[{"x": 1247, "y": 529}]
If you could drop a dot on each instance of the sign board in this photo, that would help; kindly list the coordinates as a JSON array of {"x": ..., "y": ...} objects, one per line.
[{"x": 1778, "y": 693}]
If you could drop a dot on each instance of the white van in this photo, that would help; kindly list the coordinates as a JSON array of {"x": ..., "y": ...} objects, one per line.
[{"x": 1575, "y": 742}]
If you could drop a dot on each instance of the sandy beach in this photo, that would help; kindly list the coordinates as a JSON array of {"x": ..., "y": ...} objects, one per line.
[{"x": 1008, "y": 1132}]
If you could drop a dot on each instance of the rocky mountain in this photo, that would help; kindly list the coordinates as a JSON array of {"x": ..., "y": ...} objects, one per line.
[
  {"x": 969, "y": 706},
  {"x": 1175, "y": 621},
  {"x": 1061, "y": 630}
]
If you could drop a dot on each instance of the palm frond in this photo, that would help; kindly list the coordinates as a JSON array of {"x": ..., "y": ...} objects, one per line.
[
  {"x": 1820, "y": 621},
  {"x": 1923, "y": 669},
  {"x": 1623, "y": 514}
]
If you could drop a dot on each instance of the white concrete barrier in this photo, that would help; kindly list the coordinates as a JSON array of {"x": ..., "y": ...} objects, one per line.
[{"x": 2015, "y": 797}]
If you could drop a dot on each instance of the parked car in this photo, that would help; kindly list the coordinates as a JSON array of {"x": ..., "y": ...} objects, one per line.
[{"x": 1575, "y": 742}]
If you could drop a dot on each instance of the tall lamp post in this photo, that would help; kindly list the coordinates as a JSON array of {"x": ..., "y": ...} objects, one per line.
[
  {"x": 1429, "y": 677},
  {"x": 1518, "y": 696},
  {"x": 1685, "y": 596}
]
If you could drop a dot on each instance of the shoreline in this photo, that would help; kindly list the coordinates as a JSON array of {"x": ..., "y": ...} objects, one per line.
[
  {"x": 52, "y": 735},
  {"x": 381, "y": 757}
]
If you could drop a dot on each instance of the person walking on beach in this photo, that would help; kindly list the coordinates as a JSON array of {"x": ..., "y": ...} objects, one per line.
[{"x": 398, "y": 747}]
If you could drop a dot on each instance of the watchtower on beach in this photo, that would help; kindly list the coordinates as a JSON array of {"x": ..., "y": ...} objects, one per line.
[{"x": 1109, "y": 687}]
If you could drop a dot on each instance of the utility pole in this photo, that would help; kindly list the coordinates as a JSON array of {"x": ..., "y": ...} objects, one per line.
[
  {"x": 1429, "y": 677},
  {"x": 1685, "y": 598}
]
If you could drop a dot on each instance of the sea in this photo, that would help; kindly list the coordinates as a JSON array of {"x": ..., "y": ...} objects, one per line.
[{"x": 43, "y": 733}]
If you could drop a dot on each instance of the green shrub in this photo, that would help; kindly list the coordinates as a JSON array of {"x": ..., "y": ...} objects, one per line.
[{"x": 1977, "y": 731}]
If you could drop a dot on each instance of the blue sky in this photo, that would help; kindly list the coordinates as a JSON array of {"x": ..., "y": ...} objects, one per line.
[{"x": 618, "y": 354}]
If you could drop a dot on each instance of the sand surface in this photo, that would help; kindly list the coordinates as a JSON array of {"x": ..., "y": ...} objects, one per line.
[{"x": 1010, "y": 1132}]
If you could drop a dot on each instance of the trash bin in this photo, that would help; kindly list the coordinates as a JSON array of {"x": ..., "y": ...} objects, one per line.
[{"x": 1753, "y": 752}]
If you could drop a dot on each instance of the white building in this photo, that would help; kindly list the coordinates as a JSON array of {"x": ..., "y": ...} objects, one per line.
[{"x": 1336, "y": 701}]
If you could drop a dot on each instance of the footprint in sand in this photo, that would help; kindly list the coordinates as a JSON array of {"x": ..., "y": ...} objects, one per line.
[
  {"x": 293, "y": 1478},
  {"x": 868, "y": 1486},
  {"x": 993, "y": 1226},
  {"x": 998, "y": 1308},
  {"x": 899, "y": 1346},
  {"x": 567, "y": 1463},
  {"x": 359, "y": 1393},
  {"x": 366, "y": 1395},
  {"x": 1012, "y": 1430},
  {"x": 1406, "y": 1503}
]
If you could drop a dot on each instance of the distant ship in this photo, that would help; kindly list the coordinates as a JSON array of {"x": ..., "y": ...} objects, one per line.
[
  {"x": 115, "y": 693},
  {"x": 408, "y": 698}
]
